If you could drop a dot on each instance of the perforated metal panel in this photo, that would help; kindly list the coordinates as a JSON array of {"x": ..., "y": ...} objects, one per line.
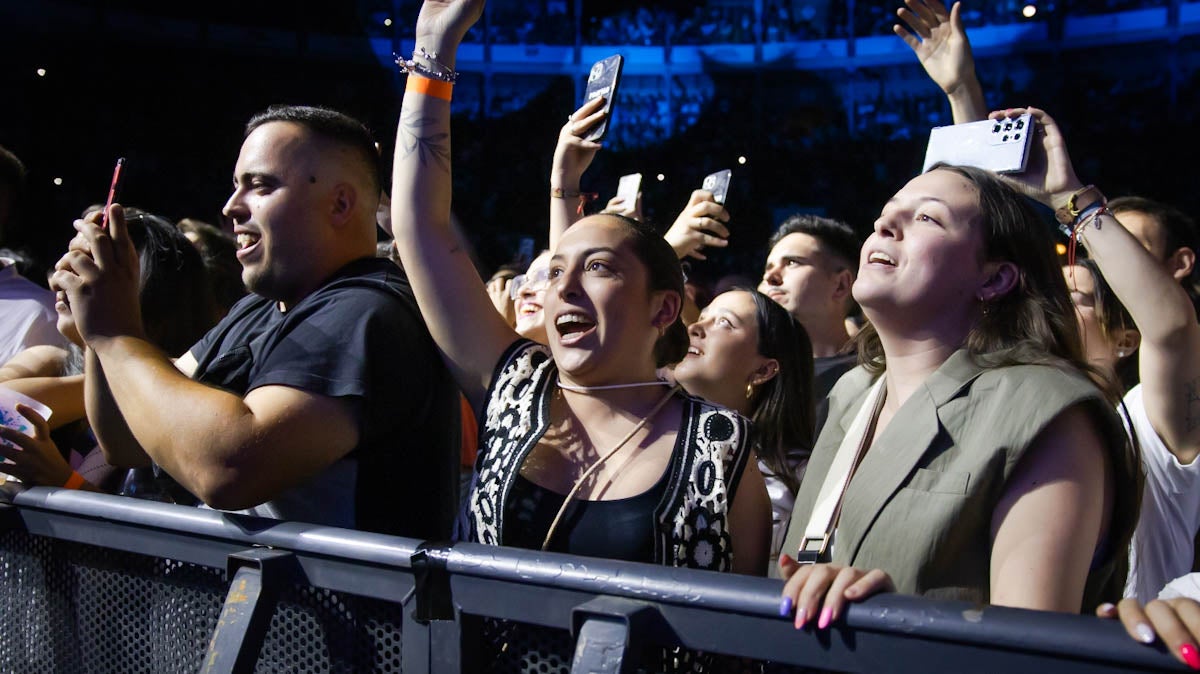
[
  {"x": 89, "y": 609},
  {"x": 80, "y": 608},
  {"x": 517, "y": 648},
  {"x": 316, "y": 630},
  {"x": 37, "y": 627}
]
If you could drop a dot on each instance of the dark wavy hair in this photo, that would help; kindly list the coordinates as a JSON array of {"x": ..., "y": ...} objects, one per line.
[
  {"x": 219, "y": 253},
  {"x": 176, "y": 298},
  {"x": 1179, "y": 230},
  {"x": 783, "y": 409},
  {"x": 1113, "y": 316},
  {"x": 663, "y": 273}
]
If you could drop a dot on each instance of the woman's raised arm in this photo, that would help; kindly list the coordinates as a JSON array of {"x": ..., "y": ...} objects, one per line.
[{"x": 452, "y": 297}]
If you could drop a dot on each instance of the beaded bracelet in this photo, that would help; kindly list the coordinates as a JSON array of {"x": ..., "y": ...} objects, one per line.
[
  {"x": 1088, "y": 216},
  {"x": 412, "y": 66}
]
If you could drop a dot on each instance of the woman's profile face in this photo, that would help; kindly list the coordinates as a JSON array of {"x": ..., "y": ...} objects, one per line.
[
  {"x": 722, "y": 354},
  {"x": 531, "y": 320},
  {"x": 1098, "y": 348},
  {"x": 924, "y": 261},
  {"x": 599, "y": 313}
]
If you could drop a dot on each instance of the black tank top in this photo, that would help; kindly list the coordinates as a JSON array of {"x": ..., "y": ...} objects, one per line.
[{"x": 616, "y": 529}]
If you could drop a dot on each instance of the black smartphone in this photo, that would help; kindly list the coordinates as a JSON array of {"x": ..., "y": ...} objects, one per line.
[
  {"x": 112, "y": 191},
  {"x": 603, "y": 79},
  {"x": 718, "y": 184}
]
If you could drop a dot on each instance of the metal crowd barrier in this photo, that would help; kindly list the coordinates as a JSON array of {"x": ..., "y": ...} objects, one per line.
[{"x": 96, "y": 583}]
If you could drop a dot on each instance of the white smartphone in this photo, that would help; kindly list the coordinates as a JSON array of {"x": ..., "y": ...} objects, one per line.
[
  {"x": 996, "y": 145},
  {"x": 628, "y": 187}
]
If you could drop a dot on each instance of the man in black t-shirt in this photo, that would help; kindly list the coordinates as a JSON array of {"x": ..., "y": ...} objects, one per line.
[{"x": 321, "y": 396}]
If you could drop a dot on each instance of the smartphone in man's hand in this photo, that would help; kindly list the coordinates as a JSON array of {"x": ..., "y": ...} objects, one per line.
[
  {"x": 603, "y": 79},
  {"x": 718, "y": 184},
  {"x": 112, "y": 191}
]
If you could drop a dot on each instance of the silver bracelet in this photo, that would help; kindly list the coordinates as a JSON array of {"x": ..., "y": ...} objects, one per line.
[{"x": 439, "y": 71}]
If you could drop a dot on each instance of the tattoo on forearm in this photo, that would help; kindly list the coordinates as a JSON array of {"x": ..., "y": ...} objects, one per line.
[
  {"x": 1192, "y": 409},
  {"x": 421, "y": 135}
]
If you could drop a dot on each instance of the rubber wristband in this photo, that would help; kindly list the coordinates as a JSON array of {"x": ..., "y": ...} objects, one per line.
[
  {"x": 430, "y": 87},
  {"x": 75, "y": 481}
]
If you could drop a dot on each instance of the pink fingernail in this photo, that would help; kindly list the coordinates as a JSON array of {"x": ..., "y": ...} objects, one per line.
[
  {"x": 826, "y": 617},
  {"x": 1190, "y": 656},
  {"x": 801, "y": 618}
]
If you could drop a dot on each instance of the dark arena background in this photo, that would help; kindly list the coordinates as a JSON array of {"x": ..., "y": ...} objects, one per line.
[{"x": 816, "y": 106}]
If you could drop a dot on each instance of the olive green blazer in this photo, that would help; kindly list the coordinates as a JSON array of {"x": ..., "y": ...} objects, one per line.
[{"x": 920, "y": 505}]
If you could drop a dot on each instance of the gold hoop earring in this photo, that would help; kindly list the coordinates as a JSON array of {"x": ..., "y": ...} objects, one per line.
[{"x": 749, "y": 391}]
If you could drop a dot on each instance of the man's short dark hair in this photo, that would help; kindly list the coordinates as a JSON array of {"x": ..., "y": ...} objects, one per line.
[
  {"x": 835, "y": 236},
  {"x": 1179, "y": 229},
  {"x": 330, "y": 125}
]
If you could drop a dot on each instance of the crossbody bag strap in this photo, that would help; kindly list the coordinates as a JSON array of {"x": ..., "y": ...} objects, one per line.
[{"x": 814, "y": 547}]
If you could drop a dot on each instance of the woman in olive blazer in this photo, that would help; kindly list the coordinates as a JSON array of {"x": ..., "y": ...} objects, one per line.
[{"x": 996, "y": 470}]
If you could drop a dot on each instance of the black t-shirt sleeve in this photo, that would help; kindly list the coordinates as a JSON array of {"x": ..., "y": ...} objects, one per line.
[
  {"x": 211, "y": 340},
  {"x": 327, "y": 345}
]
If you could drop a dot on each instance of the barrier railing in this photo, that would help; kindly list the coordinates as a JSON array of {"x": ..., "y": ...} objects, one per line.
[{"x": 102, "y": 583}]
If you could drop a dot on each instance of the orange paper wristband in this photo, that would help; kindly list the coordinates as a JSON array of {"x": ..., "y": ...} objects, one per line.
[
  {"x": 74, "y": 482},
  {"x": 430, "y": 87}
]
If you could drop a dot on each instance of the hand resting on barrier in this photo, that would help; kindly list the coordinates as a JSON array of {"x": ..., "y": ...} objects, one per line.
[
  {"x": 1176, "y": 621},
  {"x": 827, "y": 588}
]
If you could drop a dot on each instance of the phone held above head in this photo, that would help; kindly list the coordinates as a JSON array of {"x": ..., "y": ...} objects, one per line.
[
  {"x": 112, "y": 191},
  {"x": 1001, "y": 145},
  {"x": 603, "y": 79},
  {"x": 718, "y": 185},
  {"x": 628, "y": 187}
]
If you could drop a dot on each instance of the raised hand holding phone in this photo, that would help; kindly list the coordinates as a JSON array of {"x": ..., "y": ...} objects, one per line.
[
  {"x": 717, "y": 184},
  {"x": 101, "y": 276},
  {"x": 703, "y": 222},
  {"x": 602, "y": 82},
  {"x": 1049, "y": 175},
  {"x": 628, "y": 199},
  {"x": 1000, "y": 145},
  {"x": 574, "y": 153}
]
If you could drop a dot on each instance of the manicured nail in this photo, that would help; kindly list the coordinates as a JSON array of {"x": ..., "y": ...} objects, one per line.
[
  {"x": 801, "y": 618},
  {"x": 785, "y": 606},
  {"x": 1145, "y": 633},
  {"x": 1105, "y": 608},
  {"x": 826, "y": 617},
  {"x": 1190, "y": 656}
]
